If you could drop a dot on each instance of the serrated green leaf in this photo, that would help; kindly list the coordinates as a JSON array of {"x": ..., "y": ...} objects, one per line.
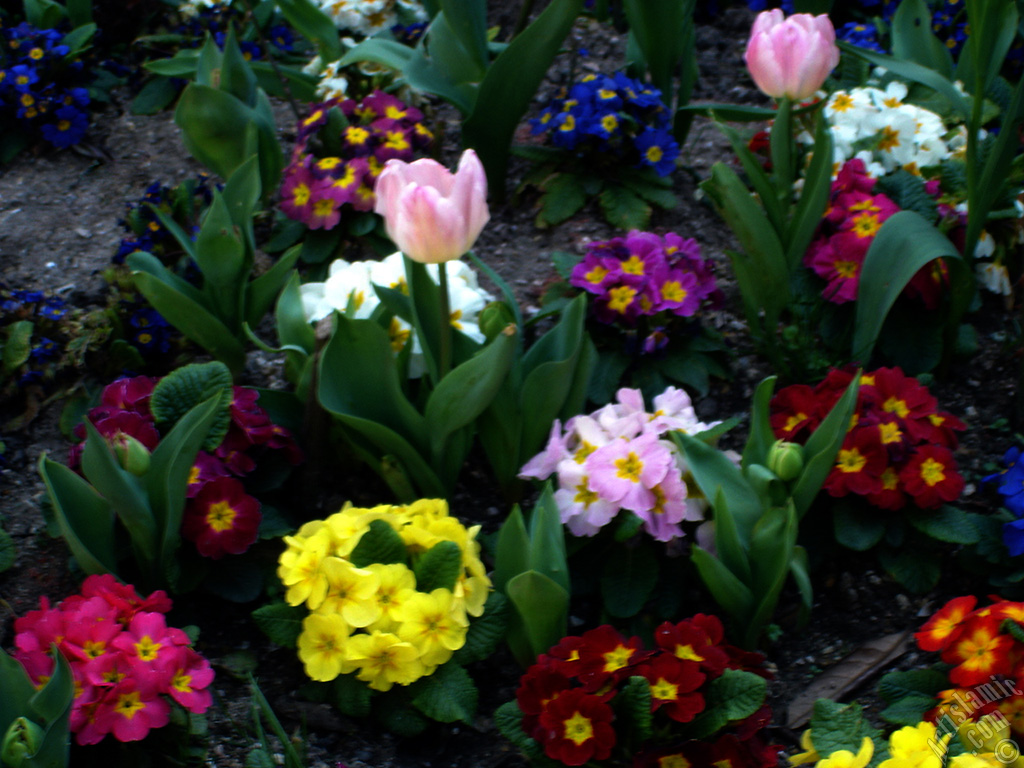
[
  {"x": 837, "y": 726},
  {"x": 438, "y": 567},
  {"x": 508, "y": 718},
  {"x": 728, "y": 697},
  {"x": 946, "y": 523},
  {"x": 909, "y": 193},
  {"x": 925, "y": 682},
  {"x": 380, "y": 543},
  {"x": 624, "y": 209},
  {"x": 562, "y": 197},
  {"x": 485, "y": 631},
  {"x": 448, "y": 695},
  {"x": 183, "y": 389},
  {"x": 405, "y": 722},
  {"x": 908, "y": 710},
  {"x": 857, "y": 526},
  {"x": 351, "y": 696},
  {"x": 281, "y": 622},
  {"x": 1014, "y": 629},
  {"x": 633, "y": 705},
  {"x": 916, "y": 569}
]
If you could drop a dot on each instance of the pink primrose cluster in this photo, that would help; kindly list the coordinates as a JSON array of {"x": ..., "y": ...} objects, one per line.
[
  {"x": 317, "y": 185},
  {"x": 851, "y": 222},
  {"x": 220, "y": 517},
  {"x": 618, "y": 458},
  {"x": 643, "y": 274},
  {"x": 125, "y": 659},
  {"x": 899, "y": 447}
]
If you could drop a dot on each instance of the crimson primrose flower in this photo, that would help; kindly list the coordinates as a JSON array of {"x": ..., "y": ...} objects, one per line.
[
  {"x": 576, "y": 728},
  {"x": 674, "y": 683},
  {"x": 606, "y": 657},
  {"x": 795, "y": 412},
  {"x": 222, "y": 519},
  {"x": 691, "y": 640},
  {"x": 859, "y": 465},
  {"x": 943, "y": 629},
  {"x": 931, "y": 476}
]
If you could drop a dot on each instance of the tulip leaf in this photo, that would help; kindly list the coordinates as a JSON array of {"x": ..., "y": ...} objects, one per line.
[
  {"x": 727, "y": 590},
  {"x": 123, "y": 492},
  {"x": 904, "y": 244},
  {"x": 628, "y": 580},
  {"x": 467, "y": 21},
  {"x": 388, "y": 53},
  {"x": 182, "y": 64},
  {"x": 314, "y": 25},
  {"x": 547, "y": 540},
  {"x": 466, "y": 392},
  {"x": 759, "y": 180},
  {"x": 53, "y": 701},
  {"x": 762, "y": 437},
  {"x": 512, "y": 551},
  {"x": 508, "y": 88},
  {"x": 449, "y": 55},
  {"x": 771, "y": 550},
  {"x": 913, "y": 40},
  {"x": 659, "y": 28},
  {"x": 730, "y": 548},
  {"x": 85, "y": 518},
  {"x": 814, "y": 197},
  {"x": 542, "y": 609},
  {"x": 212, "y": 123}
]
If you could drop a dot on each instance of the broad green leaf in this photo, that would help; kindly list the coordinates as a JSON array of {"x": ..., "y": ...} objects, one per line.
[
  {"x": 771, "y": 550},
  {"x": 814, "y": 196},
  {"x": 731, "y": 551},
  {"x": 764, "y": 186},
  {"x": 922, "y": 682},
  {"x": 235, "y": 76},
  {"x": 467, "y": 19},
  {"x": 264, "y": 290},
  {"x": 912, "y": 38},
  {"x": 915, "y": 568},
  {"x": 281, "y": 622},
  {"x": 908, "y": 711},
  {"x": 761, "y": 435},
  {"x": 855, "y": 527},
  {"x": 633, "y": 704},
  {"x": 449, "y": 59},
  {"x": 628, "y": 580},
  {"x": 727, "y": 590},
  {"x": 904, "y": 244},
  {"x": 182, "y": 64},
  {"x": 508, "y": 88},
  {"x": 155, "y": 96},
  {"x": 18, "y": 345},
  {"x": 380, "y": 543},
  {"x": 624, "y": 209},
  {"x": 388, "y": 53},
  {"x": 212, "y": 122},
  {"x": 947, "y": 523},
  {"x": 351, "y": 696},
  {"x": 241, "y": 196},
  {"x": 403, "y": 721},
  {"x": 278, "y": 81},
  {"x": 184, "y": 388},
  {"x": 448, "y": 695},
  {"x": 314, "y": 25},
  {"x": 541, "y": 611},
  {"x": 86, "y": 520},
  {"x": 512, "y": 552},
  {"x": 563, "y": 196},
  {"x": 438, "y": 567},
  {"x": 509, "y": 720},
  {"x": 485, "y": 631},
  {"x": 660, "y": 30},
  {"x": 547, "y": 540},
  {"x": 79, "y": 12}
]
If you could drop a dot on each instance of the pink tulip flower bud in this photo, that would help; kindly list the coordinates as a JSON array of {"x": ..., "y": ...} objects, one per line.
[
  {"x": 433, "y": 215},
  {"x": 790, "y": 58}
]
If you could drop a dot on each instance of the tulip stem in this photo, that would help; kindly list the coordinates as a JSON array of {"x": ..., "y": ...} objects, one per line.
[{"x": 445, "y": 363}]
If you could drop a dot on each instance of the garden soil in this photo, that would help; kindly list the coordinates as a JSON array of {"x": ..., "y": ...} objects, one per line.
[{"x": 59, "y": 228}]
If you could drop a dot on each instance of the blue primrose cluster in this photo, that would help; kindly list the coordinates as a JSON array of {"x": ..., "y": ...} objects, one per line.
[
  {"x": 43, "y": 85},
  {"x": 1011, "y": 486},
  {"x": 45, "y": 311},
  {"x": 615, "y": 116},
  {"x": 218, "y": 19}
]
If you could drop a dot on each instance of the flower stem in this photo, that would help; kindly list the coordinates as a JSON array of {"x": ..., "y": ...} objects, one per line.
[{"x": 445, "y": 363}]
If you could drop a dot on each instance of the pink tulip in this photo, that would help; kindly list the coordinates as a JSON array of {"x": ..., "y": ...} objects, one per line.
[
  {"x": 790, "y": 58},
  {"x": 432, "y": 215}
]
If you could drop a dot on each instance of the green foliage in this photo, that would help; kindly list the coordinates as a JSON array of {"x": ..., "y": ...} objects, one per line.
[
  {"x": 485, "y": 631},
  {"x": 8, "y": 552},
  {"x": 184, "y": 388},
  {"x": 94, "y": 512},
  {"x": 447, "y": 696},
  {"x": 910, "y": 694},
  {"x": 531, "y": 569},
  {"x": 261, "y": 755},
  {"x": 733, "y": 696},
  {"x": 215, "y": 314},
  {"x": 756, "y": 514},
  {"x": 453, "y": 61},
  {"x": 438, "y": 567},
  {"x": 34, "y": 723},
  {"x": 281, "y": 622},
  {"x": 837, "y": 727},
  {"x": 380, "y": 544}
]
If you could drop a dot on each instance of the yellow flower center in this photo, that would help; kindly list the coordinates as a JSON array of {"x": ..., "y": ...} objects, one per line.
[
  {"x": 932, "y": 471},
  {"x": 851, "y": 461},
  {"x": 897, "y": 406},
  {"x": 629, "y": 468},
  {"x": 578, "y": 729},
  {"x": 128, "y": 704},
  {"x": 221, "y": 516}
]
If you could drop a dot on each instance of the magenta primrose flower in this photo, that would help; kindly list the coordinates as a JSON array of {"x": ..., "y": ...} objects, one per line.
[
  {"x": 433, "y": 215},
  {"x": 791, "y": 57}
]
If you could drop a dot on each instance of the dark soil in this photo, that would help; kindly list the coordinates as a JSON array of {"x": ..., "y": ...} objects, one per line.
[{"x": 58, "y": 230}]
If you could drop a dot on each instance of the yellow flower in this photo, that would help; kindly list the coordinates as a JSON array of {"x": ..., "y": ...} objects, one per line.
[
  {"x": 916, "y": 747},
  {"x": 432, "y": 624},
  {"x": 809, "y": 755},
  {"x": 844, "y": 758},
  {"x": 397, "y": 585},
  {"x": 300, "y": 569},
  {"x": 322, "y": 646},
  {"x": 384, "y": 660},
  {"x": 350, "y": 592}
]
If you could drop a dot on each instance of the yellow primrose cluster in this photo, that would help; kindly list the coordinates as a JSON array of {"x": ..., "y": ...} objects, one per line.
[
  {"x": 372, "y": 620},
  {"x": 986, "y": 743}
]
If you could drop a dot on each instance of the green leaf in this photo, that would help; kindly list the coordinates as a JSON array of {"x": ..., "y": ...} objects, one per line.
[
  {"x": 448, "y": 695},
  {"x": 633, "y": 704},
  {"x": 540, "y": 616},
  {"x": 628, "y": 580},
  {"x": 8, "y": 552},
  {"x": 908, "y": 711},
  {"x": 904, "y": 244},
  {"x": 281, "y": 622},
  {"x": 512, "y": 553},
  {"x": 155, "y": 96},
  {"x": 946, "y": 523},
  {"x": 509, "y": 720},
  {"x": 508, "y": 88},
  {"x": 403, "y": 721},
  {"x": 485, "y": 631},
  {"x": 727, "y": 590},
  {"x": 916, "y": 569},
  {"x": 837, "y": 726},
  {"x": 18, "y": 345},
  {"x": 467, "y": 19},
  {"x": 547, "y": 540},
  {"x": 85, "y": 518},
  {"x": 814, "y": 196},
  {"x": 732, "y": 696},
  {"x": 438, "y": 567},
  {"x": 212, "y": 123},
  {"x": 912, "y": 38},
  {"x": 563, "y": 195},
  {"x": 761, "y": 435},
  {"x": 314, "y": 25},
  {"x": 351, "y": 696},
  {"x": 660, "y": 30},
  {"x": 909, "y": 193},
  {"x": 182, "y": 64},
  {"x": 380, "y": 543},
  {"x": 624, "y": 209},
  {"x": 923, "y": 682},
  {"x": 856, "y": 527},
  {"x": 184, "y": 388},
  {"x": 262, "y": 292}
]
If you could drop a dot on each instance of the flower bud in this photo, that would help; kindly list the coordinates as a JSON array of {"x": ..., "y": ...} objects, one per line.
[
  {"x": 22, "y": 740},
  {"x": 791, "y": 57},
  {"x": 494, "y": 318},
  {"x": 131, "y": 454},
  {"x": 786, "y": 460}
]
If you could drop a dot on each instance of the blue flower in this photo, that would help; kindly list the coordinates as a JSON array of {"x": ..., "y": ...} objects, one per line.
[
  {"x": 69, "y": 128},
  {"x": 22, "y": 76},
  {"x": 45, "y": 349},
  {"x": 28, "y": 297},
  {"x": 53, "y": 308},
  {"x": 1011, "y": 481},
  {"x": 658, "y": 150},
  {"x": 1013, "y": 537}
]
